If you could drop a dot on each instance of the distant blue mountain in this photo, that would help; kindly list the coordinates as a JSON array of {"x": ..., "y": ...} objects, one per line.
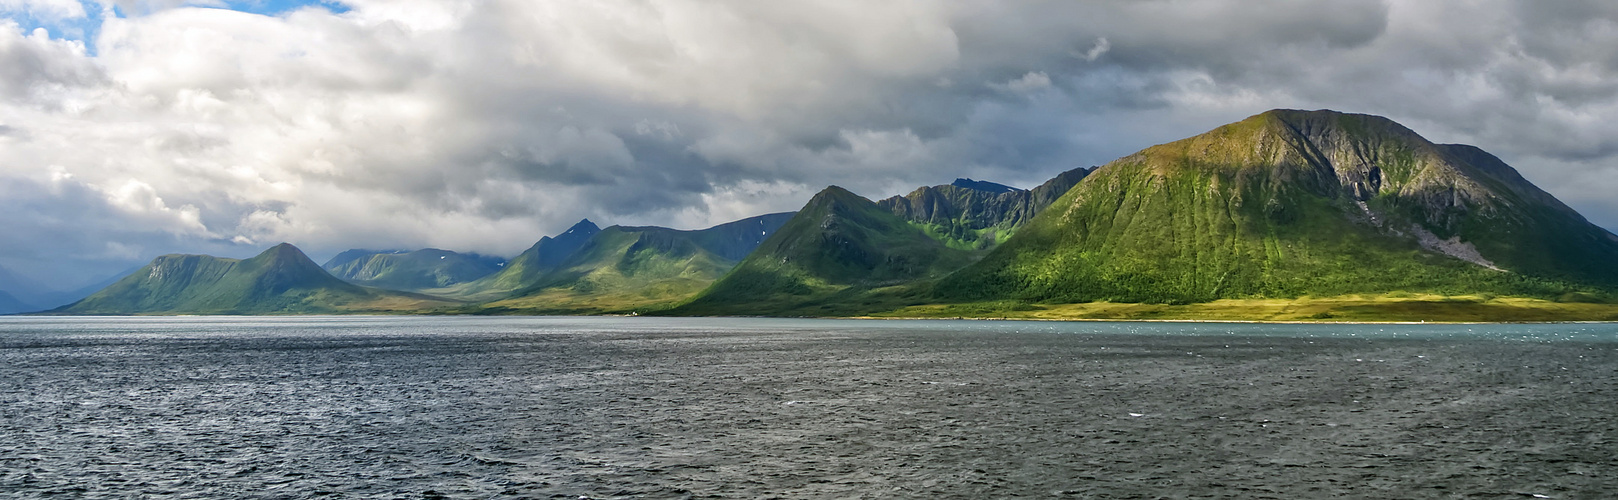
[{"x": 10, "y": 305}]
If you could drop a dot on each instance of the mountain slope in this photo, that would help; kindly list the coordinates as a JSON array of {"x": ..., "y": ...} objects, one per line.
[
  {"x": 624, "y": 269},
  {"x": 971, "y": 215},
  {"x": 281, "y": 280},
  {"x": 527, "y": 268},
  {"x": 986, "y": 186},
  {"x": 10, "y": 304},
  {"x": 838, "y": 241},
  {"x": 417, "y": 270},
  {"x": 1290, "y": 203},
  {"x": 21, "y": 293}
]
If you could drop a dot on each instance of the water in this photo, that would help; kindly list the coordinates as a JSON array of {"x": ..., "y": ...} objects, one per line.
[{"x": 470, "y": 407}]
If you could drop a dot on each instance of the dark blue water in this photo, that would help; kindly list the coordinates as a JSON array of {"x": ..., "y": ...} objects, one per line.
[{"x": 421, "y": 407}]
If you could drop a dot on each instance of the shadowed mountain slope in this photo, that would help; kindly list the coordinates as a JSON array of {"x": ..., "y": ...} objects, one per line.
[
  {"x": 10, "y": 305},
  {"x": 972, "y": 215},
  {"x": 417, "y": 270},
  {"x": 625, "y": 269},
  {"x": 527, "y": 268}
]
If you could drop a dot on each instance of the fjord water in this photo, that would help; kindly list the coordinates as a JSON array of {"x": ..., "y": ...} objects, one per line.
[{"x": 476, "y": 407}]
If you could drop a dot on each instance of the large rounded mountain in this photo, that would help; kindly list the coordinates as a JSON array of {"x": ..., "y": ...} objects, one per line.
[{"x": 1290, "y": 203}]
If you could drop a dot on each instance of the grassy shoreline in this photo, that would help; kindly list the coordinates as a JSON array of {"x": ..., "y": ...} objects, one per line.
[
  {"x": 1387, "y": 308},
  {"x": 1394, "y": 308}
]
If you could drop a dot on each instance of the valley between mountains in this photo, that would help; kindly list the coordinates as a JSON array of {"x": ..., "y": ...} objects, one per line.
[{"x": 1285, "y": 216}]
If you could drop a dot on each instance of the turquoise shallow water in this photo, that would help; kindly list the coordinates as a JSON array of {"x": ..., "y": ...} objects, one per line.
[{"x": 477, "y": 407}]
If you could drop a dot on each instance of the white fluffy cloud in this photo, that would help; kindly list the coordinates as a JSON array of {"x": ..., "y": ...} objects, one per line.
[
  {"x": 482, "y": 125},
  {"x": 47, "y": 9}
]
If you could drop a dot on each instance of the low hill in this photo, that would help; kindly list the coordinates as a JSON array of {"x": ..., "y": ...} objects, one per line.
[
  {"x": 281, "y": 280},
  {"x": 1298, "y": 203},
  {"x": 416, "y": 270}
]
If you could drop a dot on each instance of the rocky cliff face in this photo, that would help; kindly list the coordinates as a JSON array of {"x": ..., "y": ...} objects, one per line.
[
  {"x": 1454, "y": 199},
  {"x": 977, "y": 214},
  {"x": 1368, "y": 157}
]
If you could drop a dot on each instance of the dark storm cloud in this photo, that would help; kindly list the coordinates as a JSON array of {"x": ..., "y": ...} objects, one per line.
[
  {"x": 409, "y": 124},
  {"x": 45, "y": 217}
]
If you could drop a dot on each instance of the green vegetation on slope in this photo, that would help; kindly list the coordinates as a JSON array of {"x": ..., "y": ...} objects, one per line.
[
  {"x": 639, "y": 269},
  {"x": 976, "y": 215},
  {"x": 525, "y": 269},
  {"x": 417, "y": 270},
  {"x": 281, "y": 280},
  {"x": 835, "y": 249},
  {"x": 1269, "y": 207},
  {"x": 1392, "y": 307}
]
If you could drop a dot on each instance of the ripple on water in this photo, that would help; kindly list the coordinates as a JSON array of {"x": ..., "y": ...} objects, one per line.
[{"x": 667, "y": 408}]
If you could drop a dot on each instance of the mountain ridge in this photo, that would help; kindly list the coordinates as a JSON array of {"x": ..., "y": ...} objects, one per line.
[
  {"x": 411, "y": 270},
  {"x": 527, "y": 267},
  {"x": 279, "y": 280},
  {"x": 969, "y": 218},
  {"x": 632, "y": 268}
]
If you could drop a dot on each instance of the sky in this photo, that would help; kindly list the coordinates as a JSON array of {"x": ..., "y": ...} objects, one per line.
[{"x": 131, "y": 129}]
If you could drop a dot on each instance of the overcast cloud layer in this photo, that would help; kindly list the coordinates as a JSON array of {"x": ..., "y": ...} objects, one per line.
[{"x": 483, "y": 125}]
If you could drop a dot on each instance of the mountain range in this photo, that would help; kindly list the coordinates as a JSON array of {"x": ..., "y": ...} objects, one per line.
[
  {"x": 1286, "y": 215},
  {"x": 636, "y": 269},
  {"x": 19, "y": 294},
  {"x": 281, "y": 280},
  {"x": 411, "y": 270}
]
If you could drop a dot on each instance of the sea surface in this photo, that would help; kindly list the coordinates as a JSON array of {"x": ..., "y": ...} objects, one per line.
[{"x": 537, "y": 407}]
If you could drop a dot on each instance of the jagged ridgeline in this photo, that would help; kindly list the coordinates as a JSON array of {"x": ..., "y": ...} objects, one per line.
[
  {"x": 1291, "y": 203},
  {"x": 975, "y": 215},
  {"x": 841, "y": 245},
  {"x": 414, "y": 270},
  {"x": 633, "y": 269},
  {"x": 281, "y": 280}
]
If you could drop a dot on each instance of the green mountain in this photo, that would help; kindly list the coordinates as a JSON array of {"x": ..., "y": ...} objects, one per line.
[
  {"x": 838, "y": 244},
  {"x": 625, "y": 269},
  {"x": 281, "y": 280},
  {"x": 527, "y": 268},
  {"x": 1295, "y": 203},
  {"x": 975, "y": 215},
  {"x": 417, "y": 270}
]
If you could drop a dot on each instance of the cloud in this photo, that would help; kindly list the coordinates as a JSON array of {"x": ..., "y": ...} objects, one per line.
[
  {"x": 45, "y": 9},
  {"x": 1032, "y": 81},
  {"x": 482, "y": 126},
  {"x": 36, "y": 70},
  {"x": 1101, "y": 47}
]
